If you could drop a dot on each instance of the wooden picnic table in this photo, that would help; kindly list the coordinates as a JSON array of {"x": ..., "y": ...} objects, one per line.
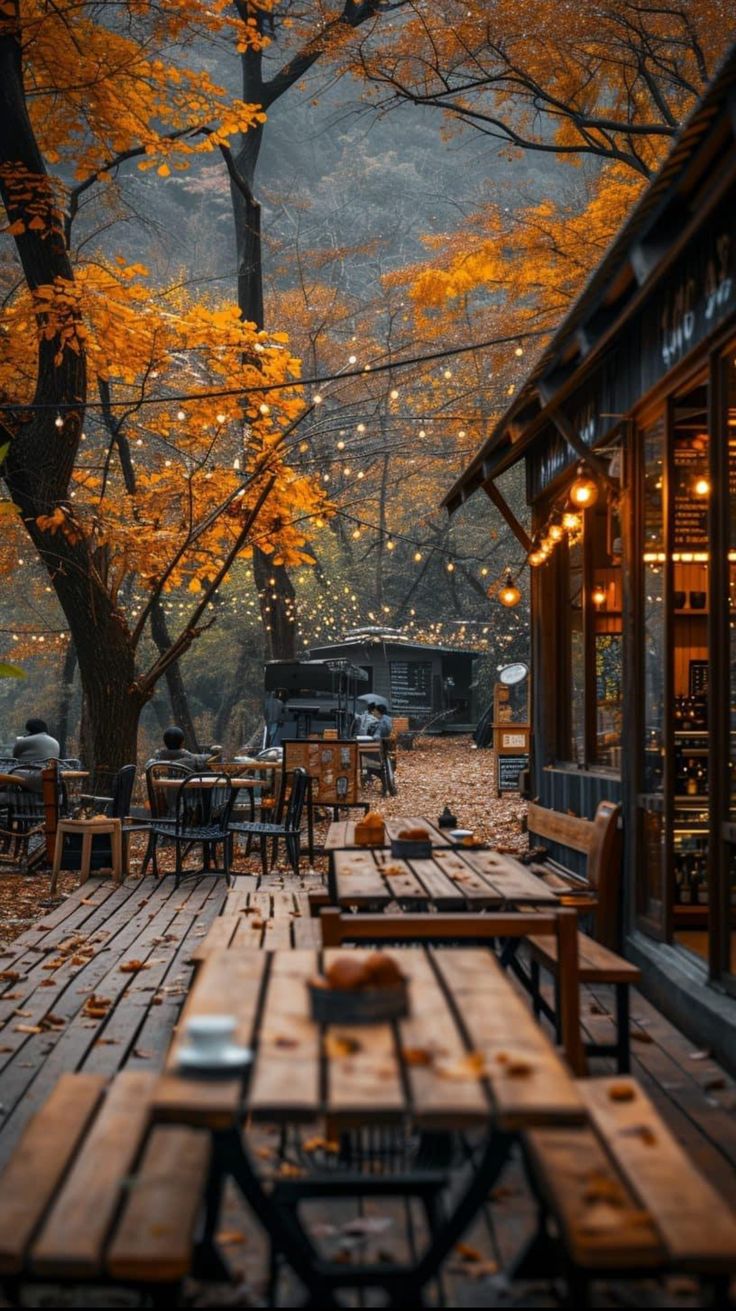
[
  {"x": 470, "y": 1054},
  {"x": 452, "y": 879},
  {"x": 341, "y": 833}
]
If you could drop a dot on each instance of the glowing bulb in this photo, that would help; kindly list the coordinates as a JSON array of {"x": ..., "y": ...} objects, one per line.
[
  {"x": 394, "y": 393},
  {"x": 303, "y": 446},
  {"x": 598, "y": 595},
  {"x": 220, "y": 418},
  {"x": 556, "y": 532},
  {"x": 422, "y": 433},
  {"x": 58, "y": 421},
  {"x": 341, "y": 446},
  {"x": 390, "y": 546},
  {"x": 264, "y": 408},
  {"x": 317, "y": 399},
  {"x": 352, "y": 359},
  {"x": 180, "y": 415},
  {"x": 572, "y": 523},
  {"x": 450, "y": 567},
  {"x": 701, "y": 486},
  {"x": 535, "y": 558},
  {"x": 519, "y": 350},
  {"x": 360, "y": 427},
  {"x": 509, "y": 594},
  {"x": 417, "y": 556},
  {"x": 584, "y": 491}
]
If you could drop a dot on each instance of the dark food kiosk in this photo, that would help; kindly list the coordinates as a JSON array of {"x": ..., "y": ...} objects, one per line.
[
  {"x": 627, "y": 427},
  {"x": 424, "y": 683}
]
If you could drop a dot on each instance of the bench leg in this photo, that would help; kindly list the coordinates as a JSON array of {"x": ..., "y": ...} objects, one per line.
[
  {"x": 719, "y": 1297},
  {"x": 623, "y": 1039},
  {"x": 534, "y": 981}
]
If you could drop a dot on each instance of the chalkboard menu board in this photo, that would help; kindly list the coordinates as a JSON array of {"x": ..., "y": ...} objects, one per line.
[
  {"x": 691, "y": 511},
  {"x": 411, "y": 685},
  {"x": 508, "y": 769}
]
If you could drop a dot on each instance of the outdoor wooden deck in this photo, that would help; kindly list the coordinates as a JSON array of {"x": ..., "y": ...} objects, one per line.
[{"x": 98, "y": 983}]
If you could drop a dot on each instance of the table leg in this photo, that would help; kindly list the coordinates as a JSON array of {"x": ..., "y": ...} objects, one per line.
[
  {"x": 116, "y": 842},
  {"x": 402, "y": 1283},
  {"x": 86, "y": 856}
]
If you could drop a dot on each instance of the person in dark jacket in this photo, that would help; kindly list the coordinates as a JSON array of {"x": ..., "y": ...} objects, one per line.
[
  {"x": 37, "y": 743},
  {"x": 380, "y": 724},
  {"x": 174, "y": 750}
]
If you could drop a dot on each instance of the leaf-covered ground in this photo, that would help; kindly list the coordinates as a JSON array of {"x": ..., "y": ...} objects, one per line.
[{"x": 449, "y": 771}]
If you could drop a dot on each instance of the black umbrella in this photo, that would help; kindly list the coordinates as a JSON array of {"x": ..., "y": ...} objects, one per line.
[{"x": 372, "y": 699}]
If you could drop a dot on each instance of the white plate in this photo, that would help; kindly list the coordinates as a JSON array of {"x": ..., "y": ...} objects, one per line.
[
  {"x": 459, "y": 833},
  {"x": 231, "y": 1057}
]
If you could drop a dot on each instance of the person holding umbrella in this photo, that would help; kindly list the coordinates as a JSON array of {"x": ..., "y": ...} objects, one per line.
[{"x": 380, "y": 723}]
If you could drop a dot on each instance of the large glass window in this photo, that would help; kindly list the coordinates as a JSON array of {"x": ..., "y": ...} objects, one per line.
[
  {"x": 606, "y": 624},
  {"x": 576, "y": 611},
  {"x": 594, "y": 640},
  {"x": 654, "y": 558}
]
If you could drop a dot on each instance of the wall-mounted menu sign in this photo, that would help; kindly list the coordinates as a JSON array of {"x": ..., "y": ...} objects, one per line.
[
  {"x": 508, "y": 769},
  {"x": 411, "y": 685},
  {"x": 691, "y": 511}
]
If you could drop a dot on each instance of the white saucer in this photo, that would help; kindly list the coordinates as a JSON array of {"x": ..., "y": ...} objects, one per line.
[
  {"x": 459, "y": 833},
  {"x": 231, "y": 1057}
]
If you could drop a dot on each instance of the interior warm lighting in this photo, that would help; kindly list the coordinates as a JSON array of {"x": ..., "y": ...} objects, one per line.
[
  {"x": 598, "y": 595},
  {"x": 535, "y": 558},
  {"x": 509, "y": 595},
  {"x": 571, "y": 522},
  {"x": 584, "y": 490},
  {"x": 701, "y": 486},
  {"x": 556, "y": 532}
]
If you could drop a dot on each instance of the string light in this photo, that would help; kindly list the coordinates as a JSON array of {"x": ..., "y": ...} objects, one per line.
[
  {"x": 509, "y": 594},
  {"x": 584, "y": 490}
]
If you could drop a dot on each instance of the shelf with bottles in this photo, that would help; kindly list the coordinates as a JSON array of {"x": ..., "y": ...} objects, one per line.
[{"x": 690, "y": 872}]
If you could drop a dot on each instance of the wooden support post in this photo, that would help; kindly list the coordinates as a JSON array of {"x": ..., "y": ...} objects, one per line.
[
  {"x": 569, "y": 989},
  {"x": 504, "y": 509}
]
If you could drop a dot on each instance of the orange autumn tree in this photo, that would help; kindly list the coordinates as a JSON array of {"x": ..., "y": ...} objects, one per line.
[
  {"x": 600, "y": 87},
  {"x": 124, "y": 490}
]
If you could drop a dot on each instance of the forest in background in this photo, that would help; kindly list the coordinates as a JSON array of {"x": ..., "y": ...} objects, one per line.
[{"x": 421, "y": 181}]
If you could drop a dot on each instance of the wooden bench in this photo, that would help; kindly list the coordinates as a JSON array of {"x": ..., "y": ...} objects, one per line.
[
  {"x": 263, "y": 920},
  {"x": 94, "y": 1194},
  {"x": 625, "y": 1199},
  {"x": 599, "y": 840}
]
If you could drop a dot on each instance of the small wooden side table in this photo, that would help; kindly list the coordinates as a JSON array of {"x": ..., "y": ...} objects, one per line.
[{"x": 89, "y": 829}]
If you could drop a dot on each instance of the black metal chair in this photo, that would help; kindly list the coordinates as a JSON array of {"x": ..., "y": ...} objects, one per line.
[
  {"x": 287, "y": 825},
  {"x": 117, "y": 805},
  {"x": 383, "y": 766},
  {"x": 21, "y": 816},
  {"x": 202, "y": 816},
  {"x": 161, "y": 807}
]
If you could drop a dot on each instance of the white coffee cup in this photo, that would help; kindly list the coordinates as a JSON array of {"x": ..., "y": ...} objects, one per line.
[{"x": 210, "y": 1035}]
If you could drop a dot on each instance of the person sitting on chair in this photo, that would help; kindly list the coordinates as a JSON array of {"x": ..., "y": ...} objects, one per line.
[
  {"x": 380, "y": 724},
  {"x": 174, "y": 750},
  {"x": 37, "y": 743}
]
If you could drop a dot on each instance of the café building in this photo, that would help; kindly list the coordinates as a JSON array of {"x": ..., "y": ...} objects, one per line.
[{"x": 627, "y": 428}]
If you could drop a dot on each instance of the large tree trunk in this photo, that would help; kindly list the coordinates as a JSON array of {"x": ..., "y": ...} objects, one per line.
[
  {"x": 66, "y": 692},
  {"x": 278, "y": 607},
  {"x": 174, "y": 681},
  {"x": 41, "y": 456},
  {"x": 277, "y": 601}
]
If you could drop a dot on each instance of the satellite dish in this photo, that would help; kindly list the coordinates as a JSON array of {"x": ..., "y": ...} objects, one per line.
[{"x": 512, "y": 674}]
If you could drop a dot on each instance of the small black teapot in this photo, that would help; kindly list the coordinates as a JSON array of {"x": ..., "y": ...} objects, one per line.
[{"x": 447, "y": 819}]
